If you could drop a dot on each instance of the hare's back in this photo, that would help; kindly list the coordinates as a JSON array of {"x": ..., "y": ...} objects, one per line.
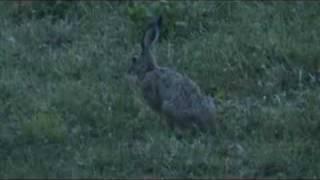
[
  {"x": 182, "y": 98},
  {"x": 175, "y": 86}
]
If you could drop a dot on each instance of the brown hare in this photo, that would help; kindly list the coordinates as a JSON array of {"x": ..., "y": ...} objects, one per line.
[{"x": 169, "y": 92}]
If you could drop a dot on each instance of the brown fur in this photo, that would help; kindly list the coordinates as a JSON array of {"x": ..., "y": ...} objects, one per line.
[{"x": 169, "y": 92}]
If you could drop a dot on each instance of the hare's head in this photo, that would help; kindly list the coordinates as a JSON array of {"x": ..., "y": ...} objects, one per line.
[{"x": 145, "y": 62}]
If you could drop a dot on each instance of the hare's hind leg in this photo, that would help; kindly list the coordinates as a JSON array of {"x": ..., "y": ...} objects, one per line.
[
  {"x": 172, "y": 117},
  {"x": 167, "y": 109},
  {"x": 181, "y": 121}
]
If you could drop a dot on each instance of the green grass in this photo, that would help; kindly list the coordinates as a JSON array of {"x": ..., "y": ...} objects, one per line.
[{"x": 67, "y": 109}]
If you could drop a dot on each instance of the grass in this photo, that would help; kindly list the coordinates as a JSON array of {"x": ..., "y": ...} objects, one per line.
[{"x": 67, "y": 109}]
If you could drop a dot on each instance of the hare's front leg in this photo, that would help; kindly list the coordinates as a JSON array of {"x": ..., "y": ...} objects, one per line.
[
  {"x": 151, "y": 92},
  {"x": 174, "y": 122}
]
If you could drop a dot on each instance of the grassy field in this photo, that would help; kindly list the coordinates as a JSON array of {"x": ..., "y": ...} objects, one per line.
[{"x": 67, "y": 109}]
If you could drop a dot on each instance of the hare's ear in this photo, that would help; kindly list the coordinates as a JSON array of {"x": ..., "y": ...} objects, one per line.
[{"x": 151, "y": 33}]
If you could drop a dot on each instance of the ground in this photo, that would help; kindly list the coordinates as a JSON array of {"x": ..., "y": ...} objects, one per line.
[{"x": 67, "y": 109}]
